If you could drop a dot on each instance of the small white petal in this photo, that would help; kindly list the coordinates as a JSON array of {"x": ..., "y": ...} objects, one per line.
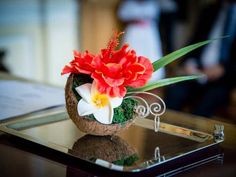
[
  {"x": 115, "y": 102},
  {"x": 85, "y": 108},
  {"x": 85, "y": 91},
  {"x": 104, "y": 115}
]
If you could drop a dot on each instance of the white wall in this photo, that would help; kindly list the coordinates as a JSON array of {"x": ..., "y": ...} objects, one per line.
[
  {"x": 39, "y": 36},
  {"x": 62, "y": 36}
]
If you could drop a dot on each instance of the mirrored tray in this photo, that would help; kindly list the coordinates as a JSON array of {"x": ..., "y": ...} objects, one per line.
[{"x": 136, "y": 149}]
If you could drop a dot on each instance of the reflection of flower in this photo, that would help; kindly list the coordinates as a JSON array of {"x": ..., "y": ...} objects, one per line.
[
  {"x": 113, "y": 70},
  {"x": 100, "y": 105}
]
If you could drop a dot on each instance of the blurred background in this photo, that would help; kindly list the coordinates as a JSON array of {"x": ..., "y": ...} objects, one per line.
[{"x": 37, "y": 37}]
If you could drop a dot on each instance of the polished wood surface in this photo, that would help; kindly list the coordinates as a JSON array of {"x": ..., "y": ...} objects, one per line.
[{"x": 22, "y": 158}]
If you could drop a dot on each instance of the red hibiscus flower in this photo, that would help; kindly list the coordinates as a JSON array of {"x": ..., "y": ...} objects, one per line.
[
  {"x": 116, "y": 69},
  {"x": 82, "y": 63},
  {"x": 113, "y": 70},
  {"x": 139, "y": 73}
]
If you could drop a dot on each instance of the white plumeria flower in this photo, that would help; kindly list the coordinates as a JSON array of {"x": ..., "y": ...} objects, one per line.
[{"x": 100, "y": 105}]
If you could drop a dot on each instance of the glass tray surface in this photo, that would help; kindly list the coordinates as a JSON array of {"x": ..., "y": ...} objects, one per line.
[{"x": 135, "y": 149}]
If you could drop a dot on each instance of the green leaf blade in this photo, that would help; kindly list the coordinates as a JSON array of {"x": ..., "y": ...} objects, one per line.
[
  {"x": 178, "y": 53},
  {"x": 164, "y": 82}
]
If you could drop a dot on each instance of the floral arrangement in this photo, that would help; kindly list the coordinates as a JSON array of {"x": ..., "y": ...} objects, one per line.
[{"x": 102, "y": 81}]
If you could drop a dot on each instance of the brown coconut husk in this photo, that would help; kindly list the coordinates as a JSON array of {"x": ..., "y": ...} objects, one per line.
[
  {"x": 87, "y": 125},
  {"x": 109, "y": 148}
]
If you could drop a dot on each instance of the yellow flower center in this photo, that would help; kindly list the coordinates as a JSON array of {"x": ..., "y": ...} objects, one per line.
[{"x": 100, "y": 100}]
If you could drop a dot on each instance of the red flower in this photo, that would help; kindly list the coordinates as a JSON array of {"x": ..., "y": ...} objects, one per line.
[
  {"x": 82, "y": 63},
  {"x": 113, "y": 70},
  {"x": 117, "y": 69},
  {"x": 139, "y": 73}
]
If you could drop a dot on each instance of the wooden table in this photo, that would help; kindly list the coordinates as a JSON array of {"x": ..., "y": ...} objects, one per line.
[{"x": 22, "y": 158}]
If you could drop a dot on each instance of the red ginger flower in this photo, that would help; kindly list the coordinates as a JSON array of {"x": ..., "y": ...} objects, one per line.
[{"x": 113, "y": 70}]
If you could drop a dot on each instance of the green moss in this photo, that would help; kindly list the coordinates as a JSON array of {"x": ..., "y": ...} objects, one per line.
[
  {"x": 128, "y": 161},
  {"x": 128, "y": 106},
  {"x": 124, "y": 112}
]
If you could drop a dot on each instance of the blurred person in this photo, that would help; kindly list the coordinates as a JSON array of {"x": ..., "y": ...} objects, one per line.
[
  {"x": 167, "y": 23},
  {"x": 141, "y": 31},
  {"x": 216, "y": 60}
]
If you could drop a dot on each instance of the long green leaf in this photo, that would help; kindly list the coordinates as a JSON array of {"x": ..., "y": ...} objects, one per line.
[
  {"x": 164, "y": 82},
  {"x": 179, "y": 53}
]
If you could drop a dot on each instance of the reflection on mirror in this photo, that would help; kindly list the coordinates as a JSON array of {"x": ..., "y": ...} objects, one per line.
[{"x": 109, "y": 148}]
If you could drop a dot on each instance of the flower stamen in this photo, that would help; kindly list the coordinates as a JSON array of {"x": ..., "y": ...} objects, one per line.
[{"x": 100, "y": 100}]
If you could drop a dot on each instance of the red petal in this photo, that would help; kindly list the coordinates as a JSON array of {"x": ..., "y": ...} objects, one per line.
[
  {"x": 76, "y": 53},
  {"x": 142, "y": 79},
  {"x": 138, "y": 68},
  {"x": 113, "y": 82},
  {"x": 69, "y": 69}
]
